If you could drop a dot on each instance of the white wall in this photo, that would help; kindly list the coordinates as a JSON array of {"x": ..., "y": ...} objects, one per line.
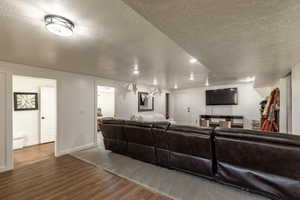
[
  {"x": 76, "y": 101},
  {"x": 182, "y": 99},
  {"x": 296, "y": 99},
  {"x": 2, "y": 121},
  {"x": 76, "y": 112},
  {"x": 76, "y": 107},
  {"x": 285, "y": 105},
  {"x": 248, "y": 105},
  {"x": 27, "y": 123},
  {"x": 127, "y": 102}
]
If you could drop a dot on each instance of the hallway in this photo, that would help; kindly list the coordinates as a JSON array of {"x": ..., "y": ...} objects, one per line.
[{"x": 32, "y": 154}]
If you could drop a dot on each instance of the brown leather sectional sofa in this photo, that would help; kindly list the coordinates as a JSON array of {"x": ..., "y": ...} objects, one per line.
[{"x": 259, "y": 162}]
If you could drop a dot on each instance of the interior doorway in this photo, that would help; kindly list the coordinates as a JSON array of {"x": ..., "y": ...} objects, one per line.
[
  {"x": 105, "y": 107},
  {"x": 34, "y": 119}
]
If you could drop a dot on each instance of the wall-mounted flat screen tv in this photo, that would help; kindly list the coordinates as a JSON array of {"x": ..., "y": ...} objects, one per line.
[{"x": 228, "y": 96}]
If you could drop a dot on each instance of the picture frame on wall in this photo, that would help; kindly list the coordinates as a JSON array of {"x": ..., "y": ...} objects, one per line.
[
  {"x": 145, "y": 102},
  {"x": 25, "y": 101}
]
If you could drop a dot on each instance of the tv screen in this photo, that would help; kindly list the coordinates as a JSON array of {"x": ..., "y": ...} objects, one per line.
[{"x": 227, "y": 96}]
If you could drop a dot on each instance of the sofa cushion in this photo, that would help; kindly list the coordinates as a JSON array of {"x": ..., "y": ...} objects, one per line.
[
  {"x": 139, "y": 132},
  {"x": 259, "y": 161},
  {"x": 113, "y": 129},
  {"x": 191, "y": 129},
  {"x": 159, "y": 131},
  {"x": 191, "y": 149},
  {"x": 139, "y": 124},
  {"x": 140, "y": 140},
  {"x": 142, "y": 152},
  {"x": 273, "y": 153},
  {"x": 113, "y": 135},
  {"x": 190, "y": 140}
]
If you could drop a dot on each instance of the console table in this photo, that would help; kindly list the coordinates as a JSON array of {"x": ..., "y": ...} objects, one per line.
[{"x": 229, "y": 118}]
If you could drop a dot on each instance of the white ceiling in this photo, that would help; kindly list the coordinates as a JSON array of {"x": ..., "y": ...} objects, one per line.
[
  {"x": 233, "y": 38},
  {"x": 109, "y": 39}
]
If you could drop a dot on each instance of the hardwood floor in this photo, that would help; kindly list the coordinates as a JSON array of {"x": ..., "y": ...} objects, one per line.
[
  {"x": 67, "y": 178},
  {"x": 33, "y": 154}
]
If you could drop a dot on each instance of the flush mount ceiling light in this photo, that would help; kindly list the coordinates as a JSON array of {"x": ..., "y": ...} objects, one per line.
[{"x": 59, "y": 25}]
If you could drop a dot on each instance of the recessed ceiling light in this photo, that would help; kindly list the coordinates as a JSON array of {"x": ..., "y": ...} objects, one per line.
[
  {"x": 206, "y": 82},
  {"x": 136, "y": 72},
  {"x": 175, "y": 86},
  {"x": 248, "y": 79},
  {"x": 193, "y": 60},
  {"x": 192, "y": 77},
  {"x": 59, "y": 25},
  {"x": 136, "y": 67}
]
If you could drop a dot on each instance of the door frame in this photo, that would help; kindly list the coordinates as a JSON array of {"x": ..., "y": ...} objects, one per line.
[
  {"x": 8, "y": 161},
  {"x": 10, "y": 110}
]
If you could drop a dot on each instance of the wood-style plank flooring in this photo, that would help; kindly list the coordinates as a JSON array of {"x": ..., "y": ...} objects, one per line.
[
  {"x": 67, "y": 178},
  {"x": 29, "y": 155}
]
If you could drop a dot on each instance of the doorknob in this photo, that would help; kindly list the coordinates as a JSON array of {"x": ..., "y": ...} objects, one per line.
[{"x": 43, "y": 117}]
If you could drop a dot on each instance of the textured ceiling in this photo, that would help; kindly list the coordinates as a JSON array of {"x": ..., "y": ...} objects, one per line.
[
  {"x": 109, "y": 38},
  {"x": 232, "y": 38}
]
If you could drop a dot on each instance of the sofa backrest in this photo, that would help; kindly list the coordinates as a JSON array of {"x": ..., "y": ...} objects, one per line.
[
  {"x": 113, "y": 128},
  {"x": 273, "y": 153},
  {"x": 159, "y": 131},
  {"x": 190, "y": 149},
  {"x": 268, "y": 163},
  {"x": 190, "y": 140},
  {"x": 139, "y": 132}
]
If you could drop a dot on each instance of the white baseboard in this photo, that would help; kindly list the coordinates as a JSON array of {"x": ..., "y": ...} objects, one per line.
[
  {"x": 4, "y": 169},
  {"x": 79, "y": 148}
]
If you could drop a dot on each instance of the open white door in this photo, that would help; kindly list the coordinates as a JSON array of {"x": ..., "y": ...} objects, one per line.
[{"x": 48, "y": 114}]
